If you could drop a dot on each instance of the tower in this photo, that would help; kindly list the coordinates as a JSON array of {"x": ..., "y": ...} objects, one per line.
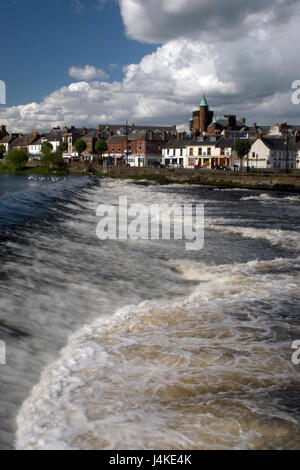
[
  {"x": 206, "y": 115},
  {"x": 201, "y": 119},
  {"x": 203, "y": 115}
]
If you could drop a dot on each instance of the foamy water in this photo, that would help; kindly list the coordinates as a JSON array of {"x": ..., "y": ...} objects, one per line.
[{"x": 179, "y": 350}]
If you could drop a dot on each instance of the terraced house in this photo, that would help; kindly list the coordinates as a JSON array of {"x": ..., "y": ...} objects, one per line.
[
  {"x": 210, "y": 151},
  {"x": 275, "y": 153}
]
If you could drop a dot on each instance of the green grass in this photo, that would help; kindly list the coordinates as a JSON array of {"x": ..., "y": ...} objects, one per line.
[{"x": 37, "y": 170}]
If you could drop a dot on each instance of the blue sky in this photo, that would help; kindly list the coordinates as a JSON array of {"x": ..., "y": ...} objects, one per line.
[
  {"x": 44, "y": 38},
  {"x": 147, "y": 61}
]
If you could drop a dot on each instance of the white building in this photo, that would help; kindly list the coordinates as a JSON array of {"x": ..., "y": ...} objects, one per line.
[
  {"x": 210, "y": 151},
  {"x": 175, "y": 153},
  {"x": 274, "y": 153},
  {"x": 34, "y": 148}
]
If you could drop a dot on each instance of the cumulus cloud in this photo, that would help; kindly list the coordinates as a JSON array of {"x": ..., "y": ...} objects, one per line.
[
  {"x": 247, "y": 68},
  {"x": 158, "y": 21},
  {"x": 89, "y": 72}
]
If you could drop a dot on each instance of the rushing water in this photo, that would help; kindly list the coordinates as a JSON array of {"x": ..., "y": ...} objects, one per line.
[{"x": 142, "y": 344}]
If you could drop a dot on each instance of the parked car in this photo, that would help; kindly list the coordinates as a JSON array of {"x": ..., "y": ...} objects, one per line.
[
  {"x": 158, "y": 165},
  {"x": 175, "y": 165},
  {"x": 222, "y": 168}
]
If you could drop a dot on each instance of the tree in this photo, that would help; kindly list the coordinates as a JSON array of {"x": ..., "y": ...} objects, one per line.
[
  {"x": 101, "y": 147},
  {"x": 80, "y": 146},
  {"x": 56, "y": 157},
  {"x": 17, "y": 158},
  {"x": 46, "y": 150},
  {"x": 242, "y": 148},
  {"x": 63, "y": 147}
]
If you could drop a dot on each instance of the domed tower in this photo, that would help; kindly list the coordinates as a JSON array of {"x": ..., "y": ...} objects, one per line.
[
  {"x": 191, "y": 125},
  {"x": 206, "y": 115}
]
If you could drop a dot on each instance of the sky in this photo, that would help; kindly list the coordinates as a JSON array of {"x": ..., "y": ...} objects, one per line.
[{"x": 86, "y": 62}]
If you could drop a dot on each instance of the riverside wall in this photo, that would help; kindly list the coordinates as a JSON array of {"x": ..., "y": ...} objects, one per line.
[{"x": 284, "y": 181}]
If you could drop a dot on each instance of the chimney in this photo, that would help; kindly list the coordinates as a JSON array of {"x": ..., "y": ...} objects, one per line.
[
  {"x": 164, "y": 136},
  {"x": 150, "y": 135},
  {"x": 34, "y": 132},
  {"x": 243, "y": 121},
  {"x": 296, "y": 137},
  {"x": 258, "y": 133}
]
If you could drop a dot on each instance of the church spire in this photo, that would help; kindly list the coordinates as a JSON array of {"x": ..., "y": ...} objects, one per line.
[{"x": 203, "y": 102}]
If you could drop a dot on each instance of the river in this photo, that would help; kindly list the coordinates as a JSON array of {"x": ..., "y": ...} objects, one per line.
[{"x": 142, "y": 344}]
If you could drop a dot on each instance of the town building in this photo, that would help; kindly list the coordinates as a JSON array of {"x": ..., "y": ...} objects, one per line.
[
  {"x": 274, "y": 153},
  {"x": 210, "y": 152},
  {"x": 25, "y": 140},
  {"x": 118, "y": 148},
  {"x": 174, "y": 153},
  {"x": 203, "y": 121},
  {"x": 7, "y": 141}
]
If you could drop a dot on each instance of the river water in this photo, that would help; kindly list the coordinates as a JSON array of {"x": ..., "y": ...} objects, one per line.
[{"x": 142, "y": 344}]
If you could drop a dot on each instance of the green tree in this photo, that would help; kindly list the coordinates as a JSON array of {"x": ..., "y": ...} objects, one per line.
[
  {"x": 46, "y": 150},
  {"x": 80, "y": 146},
  {"x": 56, "y": 158},
  {"x": 242, "y": 148},
  {"x": 17, "y": 158},
  {"x": 63, "y": 147},
  {"x": 101, "y": 147}
]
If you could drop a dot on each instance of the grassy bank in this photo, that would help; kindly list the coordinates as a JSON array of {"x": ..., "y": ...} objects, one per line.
[{"x": 37, "y": 170}]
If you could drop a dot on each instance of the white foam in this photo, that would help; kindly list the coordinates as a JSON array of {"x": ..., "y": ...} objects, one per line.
[
  {"x": 286, "y": 239},
  {"x": 266, "y": 198},
  {"x": 177, "y": 376}
]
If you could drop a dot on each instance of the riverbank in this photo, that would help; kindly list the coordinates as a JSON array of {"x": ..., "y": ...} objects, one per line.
[
  {"x": 32, "y": 170},
  {"x": 280, "y": 181},
  {"x": 261, "y": 181}
]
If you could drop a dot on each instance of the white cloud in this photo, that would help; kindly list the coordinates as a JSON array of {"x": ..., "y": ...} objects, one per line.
[
  {"x": 87, "y": 73},
  {"x": 250, "y": 73},
  {"x": 158, "y": 21}
]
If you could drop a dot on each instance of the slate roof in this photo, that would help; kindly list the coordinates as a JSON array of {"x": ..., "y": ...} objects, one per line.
[
  {"x": 177, "y": 143},
  {"x": 7, "y": 139},
  {"x": 25, "y": 140},
  {"x": 279, "y": 143},
  {"x": 117, "y": 139}
]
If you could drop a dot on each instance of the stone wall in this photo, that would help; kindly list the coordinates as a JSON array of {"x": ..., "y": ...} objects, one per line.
[{"x": 216, "y": 178}]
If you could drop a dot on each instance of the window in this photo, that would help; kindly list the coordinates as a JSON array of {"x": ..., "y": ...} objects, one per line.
[
  {"x": 168, "y": 152},
  {"x": 209, "y": 151},
  {"x": 119, "y": 148},
  {"x": 222, "y": 151},
  {"x": 112, "y": 148},
  {"x": 181, "y": 152},
  {"x": 200, "y": 151},
  {"x": 191, "y": 152},
  {"x": 191, "y": 161}
]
